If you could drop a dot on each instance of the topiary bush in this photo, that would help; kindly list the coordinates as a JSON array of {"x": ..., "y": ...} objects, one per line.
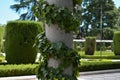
[
  {"x": 90, "y": 45},
  {"x": 20, "y": 37},
  {"x": 2, "y": 27},
  {"x": 116, "y": 42}
]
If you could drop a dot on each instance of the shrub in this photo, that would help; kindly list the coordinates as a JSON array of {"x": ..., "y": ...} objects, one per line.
[
  {"x": 30, "y": 69},
  {"x": 1, "y": 36},
  {"x": 90, "y": 44},
  {"x": 116, "y": 42},
  {"x": 78, "y": 46},
  {"x": 20, "y": 37},
  {"x": 108, "y": 33},
  {"x": 17, "y": 70},
  {"x": 100, "y": 57},
  {"x": 98, "y": 65}
]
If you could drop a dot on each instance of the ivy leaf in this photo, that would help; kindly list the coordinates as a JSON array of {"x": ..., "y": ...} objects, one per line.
[{"x": 57, "y": 45}]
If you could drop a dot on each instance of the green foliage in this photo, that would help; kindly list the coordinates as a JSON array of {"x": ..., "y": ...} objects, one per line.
[
  {"x": 92, "y": 12},
  {"x": 29, "y": 5},
  {"x": 118, "y": 17},
  {"x": 116, "y": 41},
  {"x": 1, "y": 36},
  {"x": 20, "y": 37},
  {"x": 98, "y": 65},
  {"x": 26, "y": 5},
  {"x": 56, "y": 50},
  {"x": 77, "y": 2},
  {"x": 99, "y": 57},
  {"x": 90, "y": 45},
  {"x": 66, "y": 19},
  {"x": 30, "y": 69},
  {"x": 2, "y": 58},
  {"x": 108, "y": 33},
  {"x": 17, "y": 70}
]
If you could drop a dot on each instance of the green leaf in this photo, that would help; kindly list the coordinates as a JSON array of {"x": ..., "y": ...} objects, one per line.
[{"x": 57, "y": 45}]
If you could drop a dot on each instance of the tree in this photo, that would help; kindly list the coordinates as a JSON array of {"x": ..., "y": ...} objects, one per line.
[
  {"x": 93, "y": 11},
  {"x": 24, "y": 8},
  {"x": 118, "y": 18}
]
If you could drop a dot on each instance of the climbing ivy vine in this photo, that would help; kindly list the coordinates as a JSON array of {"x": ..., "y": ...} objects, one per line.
[
  {"x": 57, "y": 51},
  {"x": 67, "y": 20}
]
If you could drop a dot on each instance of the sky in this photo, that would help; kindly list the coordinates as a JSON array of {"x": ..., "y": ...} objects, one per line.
[{"x": 7, "y": 14}]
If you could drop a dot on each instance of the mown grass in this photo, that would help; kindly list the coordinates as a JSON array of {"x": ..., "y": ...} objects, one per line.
[
  {"x": 97, "y": 55},
  {"x": 100, "y": 55}
]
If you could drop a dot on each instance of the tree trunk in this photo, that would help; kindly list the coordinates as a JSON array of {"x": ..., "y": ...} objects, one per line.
[{"x": 55, "y": 34}]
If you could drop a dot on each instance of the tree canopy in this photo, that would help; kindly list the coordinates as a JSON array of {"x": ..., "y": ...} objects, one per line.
[
  {"x": 96, "y": 15},
  {"x": 24, "y": 8},
  {"x": 118, "y": 18}
]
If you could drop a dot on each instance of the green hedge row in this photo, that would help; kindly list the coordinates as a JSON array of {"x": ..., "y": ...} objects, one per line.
[
  {"x": 30, "y": 69},
  {"x": 2, "y": 27},
  {"x": 100, "y": 57},
  {"x": 17, "y": 70},
  {"x": 98, "y": 65}
]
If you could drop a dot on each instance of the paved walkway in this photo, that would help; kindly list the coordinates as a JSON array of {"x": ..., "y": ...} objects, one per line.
[
  {"x": 110, "y": 76},
  {"x": 100, "y": 75},
  {"x": 92, "y": 75}
]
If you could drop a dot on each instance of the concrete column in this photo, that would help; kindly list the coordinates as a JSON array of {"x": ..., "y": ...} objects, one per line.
[{"x": 55, "y": 34}]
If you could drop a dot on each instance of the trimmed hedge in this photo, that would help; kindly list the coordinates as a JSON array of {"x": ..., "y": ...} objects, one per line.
[
  {"x": 1, "y": 36},
  {"x": 20, "y": 37},
  {"x": 98, "y": 65},
  {"x": 90, "y": 45},
  {"x": 99, "y": 57},
  {"x": 17, "y": 70},
  {"x": 116, "y": 41},
  {"x": 30, "y": 69}
]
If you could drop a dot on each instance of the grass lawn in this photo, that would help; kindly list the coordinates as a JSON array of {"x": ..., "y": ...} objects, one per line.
[{"x": 98, "y": 53}]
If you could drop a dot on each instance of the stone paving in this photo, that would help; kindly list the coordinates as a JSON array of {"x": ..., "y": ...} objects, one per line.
[
  {"x": 31, "y": 77},
  {"x": 113, "y": 74},
  {"x": 108, "y": 76},
  {"x": 92, "y": 75}
]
